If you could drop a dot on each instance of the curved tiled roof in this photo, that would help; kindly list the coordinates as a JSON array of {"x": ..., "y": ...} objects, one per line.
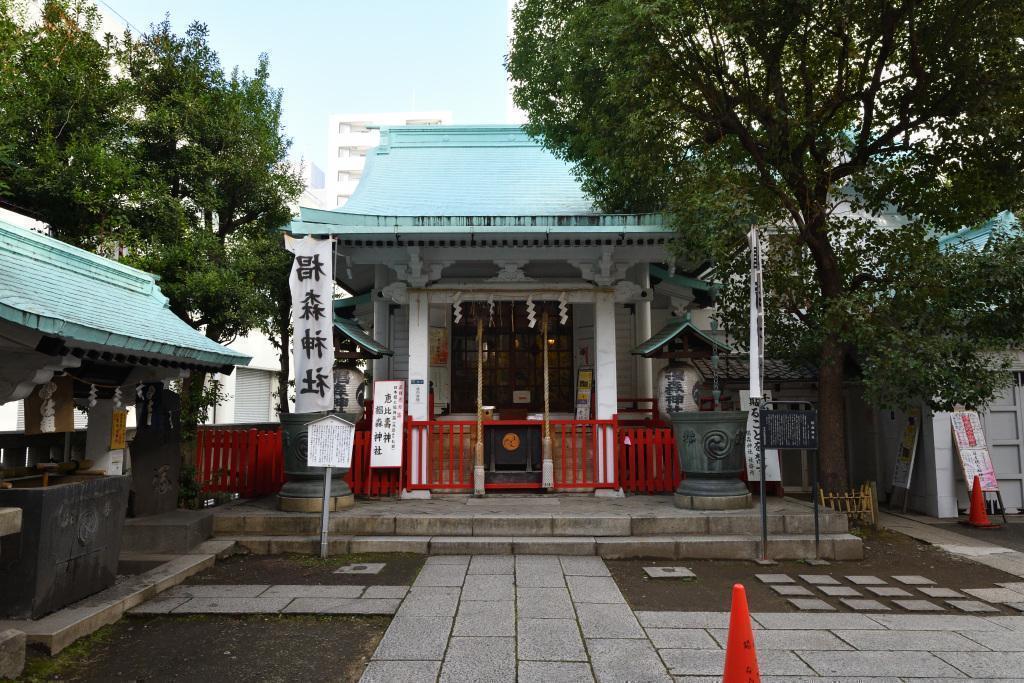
[
  {"x": 66, "y": 292},
  {"x": 482, "y": 170}
]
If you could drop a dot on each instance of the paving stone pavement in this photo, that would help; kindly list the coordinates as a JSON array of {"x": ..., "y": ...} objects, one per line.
[
  {"x": 287, "y": 599},
  {"x": 551, "y": 619}
]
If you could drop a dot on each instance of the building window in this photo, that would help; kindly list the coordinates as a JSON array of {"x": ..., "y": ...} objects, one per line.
[
  {"x": 341, "y": 199},
  {"x": 342, "y": 177},
  {"x": 253, "y": 394},
  {"x": 344, "y": 128},
  {"x": 513, "y": 361}
]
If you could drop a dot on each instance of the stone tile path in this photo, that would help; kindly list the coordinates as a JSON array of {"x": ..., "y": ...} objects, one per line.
[
  {"x": 548, "y": 618},
  {"x": 285, "y": 599},
  {"x": 854, "y": 598}
]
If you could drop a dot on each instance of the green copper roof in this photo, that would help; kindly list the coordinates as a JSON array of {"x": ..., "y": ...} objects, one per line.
[
  {"x": 351, "y": 329},
  {"x": 66, "y": 292},
  {"x": 467, "y": 180},
  {"x": 1002, "y": 222},
  {"x": 681, "y": 280},
  {"x": 465, "y": 171},
  {"x": 672, "y": 329}
]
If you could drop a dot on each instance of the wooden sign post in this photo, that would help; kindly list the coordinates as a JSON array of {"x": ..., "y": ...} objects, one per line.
[{"x": 329, "y": 444}]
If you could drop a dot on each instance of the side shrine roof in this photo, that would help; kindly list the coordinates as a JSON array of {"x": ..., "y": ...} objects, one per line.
[
  {"x": 467, "y": 179},
  {"x": 62, "y": 291}
]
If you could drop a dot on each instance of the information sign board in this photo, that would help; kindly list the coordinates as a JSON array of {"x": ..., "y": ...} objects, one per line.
[
  {"x": 329, "y": 442},
  {"x": 388, "y": 430},
  {"x": 908, "y": 446},
  {"x": 797, "y": 429},
  {"x": 584, "y": 393},
  {"x": 971, "y": 446}
]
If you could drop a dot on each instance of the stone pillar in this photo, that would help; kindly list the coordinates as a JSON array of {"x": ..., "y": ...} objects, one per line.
[
  {"x": 97, "y": 438},
  {"x": 645, "y": 366},
  {"x": 605, "y": 382}
]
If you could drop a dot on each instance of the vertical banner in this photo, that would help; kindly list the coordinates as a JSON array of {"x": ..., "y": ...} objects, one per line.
[
  {"x": 756, "y": 365},
  {"x": 312, "y": 288},
  {"x": 388, "y": 429}
]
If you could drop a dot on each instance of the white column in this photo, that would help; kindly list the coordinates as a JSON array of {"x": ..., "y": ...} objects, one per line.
[
  {"x": 645, "y": 366},
  {"x": 381, "y": 322},
  {"x": 97, "y": 438},
  {"x": 419, "y": 355},
  {"x": 605, "y": 384}
]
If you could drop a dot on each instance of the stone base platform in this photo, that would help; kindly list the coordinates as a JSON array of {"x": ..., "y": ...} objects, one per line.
[{"x": 564, "y": 524}]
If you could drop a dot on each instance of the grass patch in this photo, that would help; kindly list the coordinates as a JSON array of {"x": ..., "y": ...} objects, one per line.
[{"x": 42, "y": 667}]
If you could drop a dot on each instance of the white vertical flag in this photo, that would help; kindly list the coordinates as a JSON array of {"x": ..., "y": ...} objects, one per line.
[
  {"x": 756, "y": 347},
  {"x": 312, "y": 287},
  {"x": 756, "y": 317}
]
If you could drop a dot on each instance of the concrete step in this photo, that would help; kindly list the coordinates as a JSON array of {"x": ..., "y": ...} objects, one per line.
[
  {"x": 707, "y": 547},
  {"x": 170, "y": 533},
  {"x": 235, "y": 524}
]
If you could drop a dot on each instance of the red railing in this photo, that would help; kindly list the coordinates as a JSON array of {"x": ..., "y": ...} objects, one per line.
[
  {"x": 248, "y": 462},
  {"x": 440, "y": 454},
  {"x": 648, "y": 462},
  {"x": 586, "y": 454}
]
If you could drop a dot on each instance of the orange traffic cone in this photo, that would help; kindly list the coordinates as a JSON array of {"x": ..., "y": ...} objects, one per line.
[
  {"x": 740, "y": 656},
  {"x": 978, "y": 517}
]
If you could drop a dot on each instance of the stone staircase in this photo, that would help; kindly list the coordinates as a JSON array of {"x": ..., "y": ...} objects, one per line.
[{"x": 618, "y": 534}]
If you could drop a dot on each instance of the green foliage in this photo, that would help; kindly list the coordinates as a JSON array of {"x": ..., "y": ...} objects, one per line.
[
  {"x": 145, "y": 143},
  {"x": 189, "y": 489},
  {"x": 854, "y": 133}
]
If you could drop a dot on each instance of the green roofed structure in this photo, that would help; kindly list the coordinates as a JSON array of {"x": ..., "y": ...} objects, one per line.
[
  {"x": 455, "y": 226},
  {"x": 65, "y": 312}
]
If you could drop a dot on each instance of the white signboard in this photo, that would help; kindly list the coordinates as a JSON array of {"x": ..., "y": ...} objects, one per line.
[
  {"x": 388, "y": 429},
  {"x": 772, "y": 470},
  {"x": 312, "y": 287},
  {"x": 971, "y": 446},
  {"x": 330, "y": 442}
]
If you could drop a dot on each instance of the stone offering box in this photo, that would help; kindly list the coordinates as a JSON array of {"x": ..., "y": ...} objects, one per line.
[{"x": 68, "y": 546}]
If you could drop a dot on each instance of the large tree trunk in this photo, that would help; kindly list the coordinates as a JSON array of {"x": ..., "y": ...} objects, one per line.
[{"x": 831, "y": 423}]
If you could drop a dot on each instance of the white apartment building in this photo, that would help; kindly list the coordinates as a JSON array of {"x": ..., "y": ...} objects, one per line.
[{"x": 349, "y": 136}]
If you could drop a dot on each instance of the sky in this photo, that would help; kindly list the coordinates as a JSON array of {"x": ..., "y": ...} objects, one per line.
[{"x": 353, "y": 56}]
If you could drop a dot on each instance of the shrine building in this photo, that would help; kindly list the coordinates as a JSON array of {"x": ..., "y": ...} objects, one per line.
[{"x": 500, "y": 293}]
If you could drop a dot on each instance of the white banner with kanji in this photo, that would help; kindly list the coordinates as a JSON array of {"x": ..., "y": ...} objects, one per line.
[{"x": 312, "y": 288}]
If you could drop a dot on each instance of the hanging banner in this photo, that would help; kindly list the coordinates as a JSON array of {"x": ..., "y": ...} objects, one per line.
[
  {"x": 119, "y": 430},
  {"x": 312, "y": 288},
  {"x": 388, "y": 429},
  {"x": 969, "y": 437},
  {"x": 908, "y": 447},
  {"x": 50, "y": 407},
  {"x": 756, "y": 344}
]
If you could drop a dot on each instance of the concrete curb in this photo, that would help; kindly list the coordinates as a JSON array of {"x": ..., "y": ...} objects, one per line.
[{"x": 56, "y": 631}]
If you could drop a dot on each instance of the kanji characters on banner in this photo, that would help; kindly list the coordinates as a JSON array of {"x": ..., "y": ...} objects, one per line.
[{"x": 312, "y": 288}]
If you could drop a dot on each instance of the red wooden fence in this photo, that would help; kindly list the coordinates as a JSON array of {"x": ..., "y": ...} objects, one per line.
[
  {"x": 248, "y": 462},
  {"x": 648, "y": 462}
]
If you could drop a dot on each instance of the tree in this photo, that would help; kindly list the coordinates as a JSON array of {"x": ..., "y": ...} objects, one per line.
[
  {"x": 64, "y": 116},
  {"x": 854, "y": 133},
  {"x": 217, "y": 186}
]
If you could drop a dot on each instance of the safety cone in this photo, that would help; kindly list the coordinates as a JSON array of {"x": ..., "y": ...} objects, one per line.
[
  {"x": 978, "y": 517},
  {"x": 740, "y": 656}
]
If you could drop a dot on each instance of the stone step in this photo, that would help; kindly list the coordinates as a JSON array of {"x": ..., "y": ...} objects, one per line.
[
  {"x": 231, "y": 523},
  {"x": 706, "y": 547}
]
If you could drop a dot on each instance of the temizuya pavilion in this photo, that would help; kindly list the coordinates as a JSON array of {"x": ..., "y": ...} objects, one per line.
[{"x": 473, "y": 243}]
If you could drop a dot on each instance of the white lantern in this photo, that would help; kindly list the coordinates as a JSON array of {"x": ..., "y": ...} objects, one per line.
[
  {"x": 349, "y": 388},
  {"x": 678, "y": 384}
]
